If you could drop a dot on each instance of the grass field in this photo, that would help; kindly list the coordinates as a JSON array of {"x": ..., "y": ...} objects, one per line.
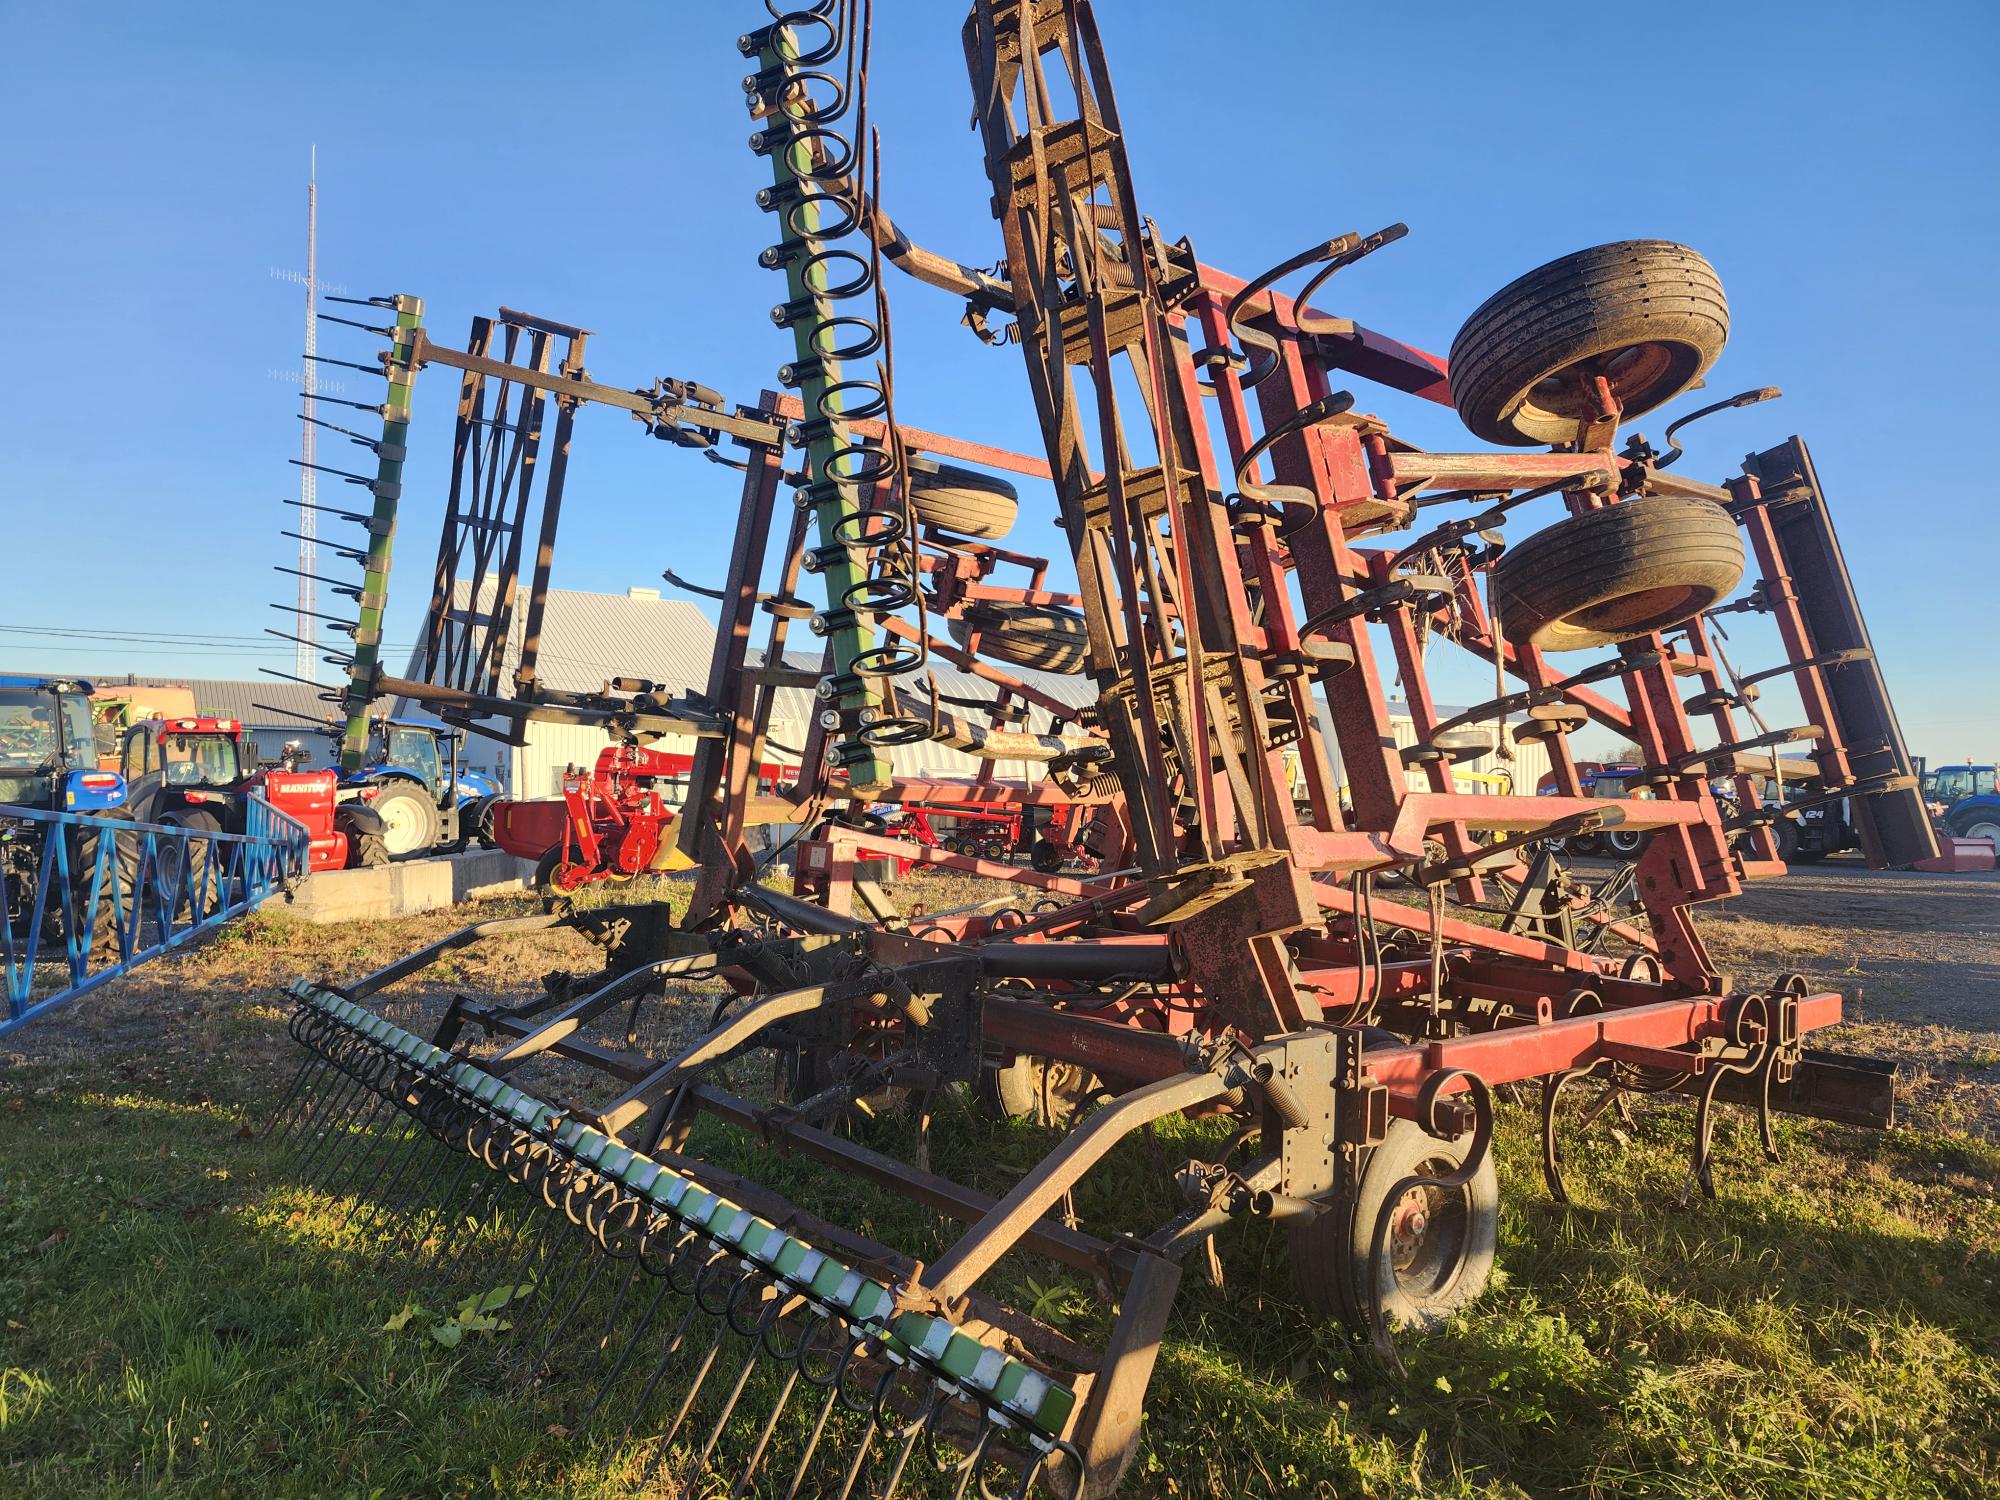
[{"x": 181, "y": 1320}]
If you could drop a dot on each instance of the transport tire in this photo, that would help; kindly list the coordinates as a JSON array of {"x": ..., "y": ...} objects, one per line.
[
  {"x": 1624, "y": 842},
  {"x": 1648, "y": 315},
  {"x": 1038, "y": 636},
  {"x": 1441, "y": 1242},
  {"x": 964, "y": 502},
  {"x": 1619, "y": 573},
  {"x": 1045, "y": 857},
  {"x": 409, "y": 817}
]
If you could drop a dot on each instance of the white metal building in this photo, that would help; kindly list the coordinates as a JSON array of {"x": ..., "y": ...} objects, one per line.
[{"x": 590, "y": 638}]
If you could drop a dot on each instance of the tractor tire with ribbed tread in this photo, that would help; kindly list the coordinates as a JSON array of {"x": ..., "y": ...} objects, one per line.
[
  {"x": 1037, "y": 636},
  {"x": 1618, "y": 573},
  {"x": 1649, "y": 315}
]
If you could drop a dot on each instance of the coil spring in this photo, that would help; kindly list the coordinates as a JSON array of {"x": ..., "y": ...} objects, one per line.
[{"x": 806, "y": 100}]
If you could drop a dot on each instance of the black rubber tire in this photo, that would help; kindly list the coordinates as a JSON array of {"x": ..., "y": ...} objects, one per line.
[
  {"x": 1647, "y": 314},
  {"x": 1977, "y": 822},
  {"x": 962, "y": 501},
  {"x": 114, "y": 900},
  {"x": 366, "y": 851},
  {"x": 1330, "y": 1254},
  {"x": 1045, "y": 857},
  {"x": 1014, "y": 1091},
  {"x": 426, "y": 826},
  {"x": 1618, "y": 573},
  {"x": 194, "y": 880},
  {"x": 1808, "y": 856},
  {"x": 1624, "y": 843},
  {"x": 1037, "y": 636},
  {"x": 1787, "y": 834}
]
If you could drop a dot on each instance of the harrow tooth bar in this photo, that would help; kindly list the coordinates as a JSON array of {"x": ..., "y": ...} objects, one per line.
[{"x": 918, "y": 1374}]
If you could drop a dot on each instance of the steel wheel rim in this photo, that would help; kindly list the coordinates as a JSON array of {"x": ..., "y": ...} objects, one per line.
[
  {"x": 1430, "y": 1237},
  {"x": 400, "y": 826}
]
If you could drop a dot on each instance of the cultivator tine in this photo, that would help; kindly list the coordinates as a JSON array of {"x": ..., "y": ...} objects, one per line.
[{"x": 575, "y": 1222}]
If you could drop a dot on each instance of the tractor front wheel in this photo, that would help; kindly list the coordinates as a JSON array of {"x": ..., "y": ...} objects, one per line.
[
  {"x": 409, "y": 819},
  {"x": 117, "y": 899}
]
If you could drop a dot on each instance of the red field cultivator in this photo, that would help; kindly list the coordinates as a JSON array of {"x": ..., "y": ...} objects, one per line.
[{"x": 1256, "y": 557}]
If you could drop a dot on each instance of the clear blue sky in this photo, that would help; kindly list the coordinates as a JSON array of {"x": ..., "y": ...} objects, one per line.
[{"x": 1836, "y": 161}]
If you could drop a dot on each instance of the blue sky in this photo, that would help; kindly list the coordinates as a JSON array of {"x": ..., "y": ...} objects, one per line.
[{"x": 1837, "y": 162}]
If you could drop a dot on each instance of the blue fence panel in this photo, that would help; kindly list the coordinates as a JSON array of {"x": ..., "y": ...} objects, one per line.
[{"x": 90, "y": 898}]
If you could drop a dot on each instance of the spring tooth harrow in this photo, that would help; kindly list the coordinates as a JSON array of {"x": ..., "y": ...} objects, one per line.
[
  {"x": 680, "y": 1255},
  {"x": 594, "y": 1167}
]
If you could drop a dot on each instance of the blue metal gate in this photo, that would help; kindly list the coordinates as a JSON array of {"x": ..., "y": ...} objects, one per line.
[{"x": 106, "y": 894}]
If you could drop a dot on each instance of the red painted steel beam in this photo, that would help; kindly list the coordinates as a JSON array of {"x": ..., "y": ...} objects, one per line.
[
  {"x": 1461, "y": 933},
  {"x": 916, "y": 438},
  {"x": 1513, "y": 1053}
]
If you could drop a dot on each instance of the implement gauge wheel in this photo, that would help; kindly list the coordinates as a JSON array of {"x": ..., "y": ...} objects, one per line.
[
  {"x": 963, "y": 502},
  {"x": 1040, "y": 1089},
  {"x": 1647, "y": 315},
  {"x": 1440, "y": 1251},
  {"x": 1618, "y": 573},
  {"x": 1038, "y": 636}
]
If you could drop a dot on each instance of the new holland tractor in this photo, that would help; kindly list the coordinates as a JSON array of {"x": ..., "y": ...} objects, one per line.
[{"x": 414, "y": 784}]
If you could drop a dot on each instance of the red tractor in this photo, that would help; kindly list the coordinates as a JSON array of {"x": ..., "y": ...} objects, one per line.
[{"x": 188, "y": 772}]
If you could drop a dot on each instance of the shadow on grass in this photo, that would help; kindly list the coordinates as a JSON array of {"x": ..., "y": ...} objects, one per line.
[{"x": 181, "y": 1320}]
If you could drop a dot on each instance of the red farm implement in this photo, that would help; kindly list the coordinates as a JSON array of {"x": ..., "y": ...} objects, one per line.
[
  {"x": 610, "y": 823},
  {"x": 1257, "y": 557}
]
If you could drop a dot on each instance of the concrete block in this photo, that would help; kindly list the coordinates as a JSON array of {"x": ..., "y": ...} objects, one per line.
[{"x": 409, "y": 886}]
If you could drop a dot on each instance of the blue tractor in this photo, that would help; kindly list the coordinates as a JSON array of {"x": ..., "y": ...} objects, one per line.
[
  {"x": 1967, "y": 801},
  {"x": 48, "y": 762},
  {"x": 413, "y": 780}
]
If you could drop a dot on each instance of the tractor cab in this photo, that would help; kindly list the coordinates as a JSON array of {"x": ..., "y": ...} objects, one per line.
[
  {"x": 190, "y": 772},
  {"x": 1966, "y": 800},
  {"x": 413, "y": 780},
  {"x": 190, "y": 763},
  {"x": 48, "y": 756},
  {"x": 48, "y": 763},
  {"x": 1948, "y": 785}
]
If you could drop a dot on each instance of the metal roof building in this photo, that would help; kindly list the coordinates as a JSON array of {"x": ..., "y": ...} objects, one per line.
[
  {"x": 589, "y": 638},
  {"x": 272, "y": 710}
]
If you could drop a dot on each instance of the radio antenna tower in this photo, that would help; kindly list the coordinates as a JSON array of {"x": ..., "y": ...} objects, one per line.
[{"x": 305, "y": 661}]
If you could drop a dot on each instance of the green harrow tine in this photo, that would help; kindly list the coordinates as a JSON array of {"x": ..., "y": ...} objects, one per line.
[{"x": 393, "y": 1126}]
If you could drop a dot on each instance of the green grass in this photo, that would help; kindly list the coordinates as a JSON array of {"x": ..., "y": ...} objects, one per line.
[{"x": 176, "y": 1318}]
